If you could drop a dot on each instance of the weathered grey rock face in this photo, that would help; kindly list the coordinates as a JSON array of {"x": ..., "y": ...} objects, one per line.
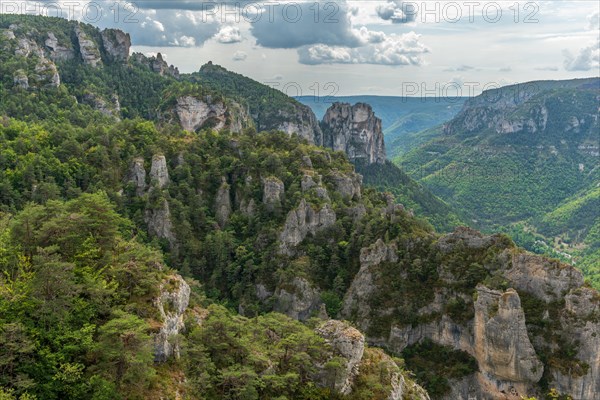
[
  {"x": 58, "y": 51},
  {"x": 581, "y": 323},
  {"x": 502, "y": 346},
  {"x": 28, "y": 47},
  {"x": 354, "y": 130},
  {"x": 87, "y": 48},
  {"x": 46, "y": 74},
  {"x": 159, "y": 223},
  {"x": 547, "y": 280},
  {"x": 308, "y": 183},
  {"x": 172, "y": 302},
  {"x": 159, "y": 172},
  {"x": 223, "y": 204},
  {"x": 348, "y": 185},
  {"x": 302, "y": 221},
  {"x": 117, "y": 44},
  {"x": 137, "y": 175},
  {"x": 402, "y": 388},
  {"x": 356, "y": 300},
  {"x": 195, "y": 113},
  {"x": 297, "y": 299},
  {"x": 347, "y": 343},
  {"x": 273, "y": 191}
]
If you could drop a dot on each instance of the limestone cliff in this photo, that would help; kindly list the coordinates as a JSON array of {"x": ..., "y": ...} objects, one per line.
[
  {"x": 116, "y": 44},
  {"x": 298, "y": 299},
  {"x": 88, "y": 49},
  {"x": 347, "y": 343},
  {"x": 171, "y": 303},
  {"x": 195, "y": 113},
  {"x": 506, "y": 338},
  {"x": 354, "y": 130},
  {"x": 302, "y": 221}
]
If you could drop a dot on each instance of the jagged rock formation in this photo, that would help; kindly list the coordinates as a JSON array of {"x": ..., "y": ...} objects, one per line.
[
  {"x": 137, "y": 176},
  {"x": 159, "y": 222},
  {"x": 87, "y": 48},
  {"x": 297, "y": 299},
  {"x": 46, "y": 74},
  {"x": 117, "y": 44},
  {"x": 159, "y": 174},
  {"x": 348, "y": 185},
  {"x": 354, "y": 130},
  {"x": 308, "y": 183},
  {"x": 301, "y": 122},
  {"x": 195, "y": 113},
  {"x": 347, "y": 343},
  {"x": 156, "y": 64},
  {"x": 273, "y": 191},
  {"x": 497, "y": 334},
  {"x": 502, "y": 346},
  {"x": 356, "y": 301},
  {"x": 58, "y": 51},
  {"x": 302, "y": 221},
  {"x": 171, "y": 303}
]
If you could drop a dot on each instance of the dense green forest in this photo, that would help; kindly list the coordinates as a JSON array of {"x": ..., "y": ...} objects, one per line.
[{"x": 104, "y": 209}]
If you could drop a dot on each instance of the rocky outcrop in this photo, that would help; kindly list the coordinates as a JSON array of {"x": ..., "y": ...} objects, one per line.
[
  {"x": 196, "y": 113},
  {"x": 302, "y": 122},
  {"x": 45, "y": 74},
  {"x": 546, "y": 279},
  {"x": 356, "y": 131},
  {"x": 159, "y": 174},
  {"x": 349, "y": 345},
  {"x": 137, "y": 176},
  {"x": 502, "y": 346},
  {"x": 273, "y": 191},
  {"x": 116, "y": 44},
  {"x": 87, "y": 48},
  {"x": 157, "y": 64},
  {"x": 223, "y": 204},
  {"x": 27, "y": 47},
  {"x": 308, "y": 183},
  {"x": 297, "y": 299},
  {"x": 356, "y": 302},
  {"x": 58, "y": 51},
  {"x": 302, "y": 221},
  {"x": 348, "y": 184},
  {"x": 171, "y": 303},
  {"x": 402, "y": 386},
  {"x": 158, "y": 220},
  {"x": 581, "y": 324}
]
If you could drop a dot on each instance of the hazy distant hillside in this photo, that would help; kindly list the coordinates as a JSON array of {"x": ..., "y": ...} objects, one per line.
[{"x": 400, "y": 116}]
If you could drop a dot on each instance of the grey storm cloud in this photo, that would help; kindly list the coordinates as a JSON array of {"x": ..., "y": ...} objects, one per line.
[
  {"x": 397, "y": 11},
  {"x": 298, "y": 24}
]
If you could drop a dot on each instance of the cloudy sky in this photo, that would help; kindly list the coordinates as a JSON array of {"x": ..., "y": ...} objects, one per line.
[{"x": 344, "y": 47}]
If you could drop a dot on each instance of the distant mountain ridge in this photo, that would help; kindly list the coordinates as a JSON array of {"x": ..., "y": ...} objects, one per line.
[{"x": 515, "y": 155}]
